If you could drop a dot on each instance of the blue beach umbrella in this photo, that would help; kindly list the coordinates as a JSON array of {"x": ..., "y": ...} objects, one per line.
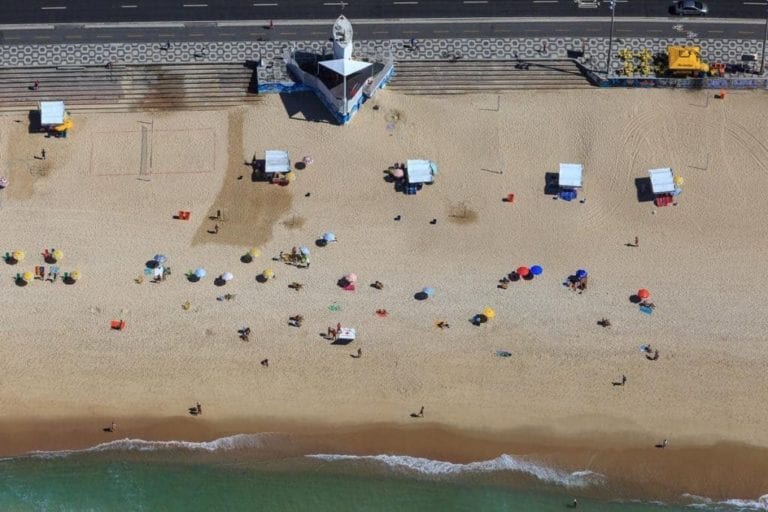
[
  {"x": 536, "y": 270},
  {"x": 304, "y": 250},
  {"x": 329, "y": 237},
  {"x": 200, "y": 273},
  {"x": 428, "y": 291},
  {"x": 160, "y": 258},
  {"x": 581, "y": 273}
]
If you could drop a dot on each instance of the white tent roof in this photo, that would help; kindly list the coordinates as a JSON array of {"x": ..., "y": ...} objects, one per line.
[
  {"x": 345, "y": 67},
  {"x": 420, "y": 171},
  {"x": 662, "y": 181},
  {"x": 570, "y": 175},
  {"x": 51, "y": 112},
  {"x": 276, "y": 161}
]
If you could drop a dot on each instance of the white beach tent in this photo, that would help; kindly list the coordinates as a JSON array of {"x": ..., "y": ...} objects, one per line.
[
  {"x": 571, "y": 175},
  {"x": 51, "y": 112},
  {"x": 421, "y": 171},
  {"x": 276, "y": 161},
  {"x": 662, "y": 181},
  {"x": 345, "y": 67}
]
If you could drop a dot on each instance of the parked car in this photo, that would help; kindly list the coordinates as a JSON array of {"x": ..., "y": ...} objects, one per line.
[{"x": 689, "y": 8}]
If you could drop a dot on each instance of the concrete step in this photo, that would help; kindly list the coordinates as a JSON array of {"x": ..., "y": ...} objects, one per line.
[
  {"x": 129, "y": 88},
  {"x": 443, "y": 77}
]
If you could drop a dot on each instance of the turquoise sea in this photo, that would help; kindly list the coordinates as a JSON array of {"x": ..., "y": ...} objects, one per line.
[{"x": 231, "y": 475}]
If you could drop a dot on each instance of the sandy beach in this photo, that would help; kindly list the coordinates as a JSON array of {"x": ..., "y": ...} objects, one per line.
[{"x": 701, "y": 260}]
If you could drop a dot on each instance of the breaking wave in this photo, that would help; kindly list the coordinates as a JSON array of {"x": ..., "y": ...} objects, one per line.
[{"x": 502, "y": 463}]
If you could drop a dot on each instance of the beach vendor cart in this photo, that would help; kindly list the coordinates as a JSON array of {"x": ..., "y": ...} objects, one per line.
[
  {"x": 665, "y": 186},
  {"x": 569, "y": 181},
  {"x": 54, "y": 118},
  {"x": 277, "y": 166},
  {"x": 418, "y": 172}
]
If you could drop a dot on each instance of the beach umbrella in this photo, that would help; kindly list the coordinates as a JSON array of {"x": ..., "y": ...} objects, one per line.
[
  {"x": 268, "y": 274},
  {"x": 308, "y": 160},
  {"x": 523, "y": 271},
  {"x": 536, "y": 270},
  {"x": 329, "y": 237},
  {"x": 3, "y": 182},
  {"x": 28, "y": 276},
  {"x": 643, "y": 293},
  {"x": 227, "y": 276},
  {"x": 254, "y": 252},
  {"x": 397, "y": 173},
  {"x": 160, "y": 258},
  {"x": 200, "y": 273},
  {"x": 75, "y": 275},
  {"x": 428, "y": 291},
  {"x": 57, "y": 254},
  {"x": 290, "y": 177},
  {"x": 490, "y": 313},
  {"x": 304, "y": 250},
  {"x": 352, "y": 278},
  {"x": 581, "y": 273},
  {"x": 18, "y": 255},
  {"x": 678, "y": 180}
]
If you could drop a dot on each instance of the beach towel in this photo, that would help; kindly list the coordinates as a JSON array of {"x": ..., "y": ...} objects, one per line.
[
  {"x": 646, "y": 310},
  {"x": 503, "y": 353}
]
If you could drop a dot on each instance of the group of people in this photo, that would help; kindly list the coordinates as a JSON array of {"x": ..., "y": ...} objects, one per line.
[{"x": 295, "y": 257}]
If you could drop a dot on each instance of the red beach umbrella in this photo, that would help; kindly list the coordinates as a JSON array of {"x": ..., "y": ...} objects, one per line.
[
  {"x": 643, "y": 293},
  {"x": 523, "y": 271}
]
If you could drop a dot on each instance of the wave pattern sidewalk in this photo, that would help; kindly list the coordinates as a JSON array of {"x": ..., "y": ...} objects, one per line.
[{"x": 595, "y": 51}]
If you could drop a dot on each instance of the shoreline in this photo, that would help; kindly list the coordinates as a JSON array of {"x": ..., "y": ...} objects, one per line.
[{"x": 631, "y": 469}]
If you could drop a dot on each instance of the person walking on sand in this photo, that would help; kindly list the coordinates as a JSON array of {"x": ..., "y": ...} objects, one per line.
[
  {"x": 637, "y": 242},
  {"x": 623, "y": 379},
  {"x": 36, "y": 85},
  {"x": 42, "y": 153},
  {"x": 421, "y": 412},
  {"x": 199, "y": 409},
  {"x": 359, "y": 352},
  {"x": 216, "y": 228},
  {"x": 265, "y": 363}
]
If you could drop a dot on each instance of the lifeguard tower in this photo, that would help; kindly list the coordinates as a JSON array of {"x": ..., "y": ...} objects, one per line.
[{"x": 341, "y": 82}]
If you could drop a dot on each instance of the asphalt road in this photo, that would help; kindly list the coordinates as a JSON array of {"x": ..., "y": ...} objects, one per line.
[
  {"x": 90, "y": 11},
  {"x": 235, "y": 31}
]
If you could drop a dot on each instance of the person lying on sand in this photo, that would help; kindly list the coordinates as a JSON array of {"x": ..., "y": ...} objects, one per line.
[
  {"x": 653, "y": 357},
  {"x": 296, "y": 286},
  {"x": 604, "y": 322},
  {"x": 378, "y": 285},
  {"x": 442, "y": 324},
  {"x": 295, "y": 320},
  {"x": 648, "y": 304}
]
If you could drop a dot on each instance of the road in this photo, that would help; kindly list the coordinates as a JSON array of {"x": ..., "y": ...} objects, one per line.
[
  {"x": 91, "y": 11},
  {"x": 243, "y": 31}
]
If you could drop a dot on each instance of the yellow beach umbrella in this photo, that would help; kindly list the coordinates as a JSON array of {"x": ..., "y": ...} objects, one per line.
[
  {"x": 290, "y": 177},
  {"x": 678, "y": 180},
  {"x": 489, "y": 313},
  {"x": 57, "y": 254},
  {"x": 268, "y": 274},
  {"x": 18, "y": 255},
  {"x": 28, "y": 276},
  {"x": 75, "y": 275},
  {"x": 254, "y": 252}
]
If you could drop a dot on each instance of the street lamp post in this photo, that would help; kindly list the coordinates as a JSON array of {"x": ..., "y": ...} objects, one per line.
[
  {"x": 765, "y": 39},
  {"x": 612, "y": 6}
]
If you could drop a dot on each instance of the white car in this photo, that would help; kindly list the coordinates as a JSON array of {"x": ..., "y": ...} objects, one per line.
[{"x": 689, "y": 8}]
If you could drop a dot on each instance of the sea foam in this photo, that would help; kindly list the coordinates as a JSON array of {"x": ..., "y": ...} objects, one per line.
[
  {"x": 740, "y": 505},
  {"x": 502, "y": 463},
  {"x": 235, "y": 442}
]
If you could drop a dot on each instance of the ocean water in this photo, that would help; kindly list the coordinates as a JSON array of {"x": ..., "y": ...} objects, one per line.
[{"x": 233, "y": 474}]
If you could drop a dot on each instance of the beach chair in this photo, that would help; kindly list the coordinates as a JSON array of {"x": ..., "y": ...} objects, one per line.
[
  {"x": 18, "y": 277},
  {"x": 40, "y": 273},
  {"x": 53, "y": 273},
  {"x": 117, "y": 325}
]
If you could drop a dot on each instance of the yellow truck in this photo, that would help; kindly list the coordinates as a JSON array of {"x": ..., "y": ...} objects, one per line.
[{"x": 686, "y": 60}]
